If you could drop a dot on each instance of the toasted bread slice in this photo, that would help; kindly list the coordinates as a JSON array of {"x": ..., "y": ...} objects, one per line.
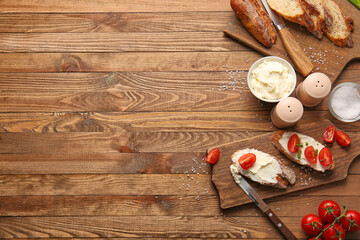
[
  {"x": 293, "y": 11},
  {"x": 338, "y": 28},
  {"x": 267, "y": 170},
  {"x": 315, "y": 9},
  {"x": 280, "y": 140}
]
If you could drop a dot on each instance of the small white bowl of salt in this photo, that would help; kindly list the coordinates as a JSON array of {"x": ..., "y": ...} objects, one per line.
[{"x": 344, "y": 102}]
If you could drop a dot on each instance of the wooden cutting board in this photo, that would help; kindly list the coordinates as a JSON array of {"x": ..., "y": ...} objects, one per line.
[
  {"x": 325, "y": 56},
  {"x": 232, "y": 195}
]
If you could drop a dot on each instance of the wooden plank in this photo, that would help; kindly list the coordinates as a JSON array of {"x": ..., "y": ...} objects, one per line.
[
  {"x": 134, "y": 91},
  {"x": 147, "y": 226},
  {"x": 99, "y": 142},
  {"x": 200, "y": 205},
  {"x": 111, "y": 163},
  {"x": 133, "y": 184},
  {"x": 82, "y": 6},
  {"x": 124, "y": 62},
  {"x": 153, "y": 121},
  {"x": 114, "y": 22},
  {"x": 106, "y": 184},
  {"x": 103, "y": 163},
  {"x": 118, "y": 42}
]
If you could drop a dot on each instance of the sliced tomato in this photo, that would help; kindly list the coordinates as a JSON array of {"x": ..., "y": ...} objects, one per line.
[
  {"x": 329, "y": 134},
  {"x": 325, "y": 157},
  {"x": 293, "y": 143},
  {"x": 213, "y": 156},
  {"x": 342, "y": 138},
  {"x": 247, "y": 161},
  {"x": 310, "y": 154}
]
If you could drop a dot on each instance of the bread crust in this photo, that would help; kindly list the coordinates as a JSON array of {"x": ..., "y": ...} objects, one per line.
[
  {"x": 286, "y": 178},
  {"x": 275, "y": 139},
  {"x": 341, "y": 42},
  {"x": 314, "y": 14},
  {"x": 255, "y": 20}
]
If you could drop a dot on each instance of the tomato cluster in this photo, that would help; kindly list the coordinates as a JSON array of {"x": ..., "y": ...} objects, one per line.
[{"x": 330, "y": 223}]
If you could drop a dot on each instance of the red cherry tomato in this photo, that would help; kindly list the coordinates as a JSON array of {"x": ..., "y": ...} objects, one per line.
[
  {"x": 213, "y": 156},
  {"x": 293, "y": 143},
  {"x": 310, "y": 154},
  {"x": 342, "y": 138},
  {"x": 246, "y": 161},
  {"x": 329, "y": 210},
  {"x": 325, "y": 157},
  {"x": 313, "y": 238},
  {"x": 312, "y": 224},
  {"x": 335, "y": 232},
  {"x": 351, "y": 221},
  {"x": 329, "y": 134}
]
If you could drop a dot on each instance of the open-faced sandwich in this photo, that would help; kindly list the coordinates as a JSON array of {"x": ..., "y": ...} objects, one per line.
[
  {"x": 261, "y": 167},
  {"x": 303, "y": 150}
]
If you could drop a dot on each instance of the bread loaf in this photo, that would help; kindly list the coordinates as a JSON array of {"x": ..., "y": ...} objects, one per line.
[{"x": 255, "y": 20}]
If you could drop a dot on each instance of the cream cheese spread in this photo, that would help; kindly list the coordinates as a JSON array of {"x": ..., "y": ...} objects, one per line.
[
  {"x": 271, "y": 80},
  {"x": 265, "y": 169},
  {"x": 306, "y": 141}
]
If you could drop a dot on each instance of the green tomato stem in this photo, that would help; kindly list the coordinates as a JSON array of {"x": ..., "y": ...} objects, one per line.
[{"x": 333, "y": 223}]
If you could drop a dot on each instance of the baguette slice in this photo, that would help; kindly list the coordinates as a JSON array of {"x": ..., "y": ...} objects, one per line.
[
  {"x": 293, "y": 11},
  {"x": 255, "y": 20},
  {"x": 338, "y": 28},
  {"x": 267, "y": 170},
  {"x": 280, "y": 140},
  {"x": 315, "y": 9}
]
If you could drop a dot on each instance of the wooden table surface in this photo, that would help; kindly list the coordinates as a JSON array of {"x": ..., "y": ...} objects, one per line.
[{"x": 81, "y": 82}]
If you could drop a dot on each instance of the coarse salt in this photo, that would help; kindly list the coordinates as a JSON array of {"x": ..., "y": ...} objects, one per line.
[{"x": 346, "y": 102}]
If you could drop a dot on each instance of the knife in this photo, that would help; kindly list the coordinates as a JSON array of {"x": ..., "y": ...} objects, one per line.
[
  {"x": 297, "y": 55},
  {"x": 266, "y": 209}
]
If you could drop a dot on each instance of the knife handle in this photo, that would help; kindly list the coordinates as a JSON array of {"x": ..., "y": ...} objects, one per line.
[
  {"x": 280, "y": 225},
  {"x": 297, "y": 55}
]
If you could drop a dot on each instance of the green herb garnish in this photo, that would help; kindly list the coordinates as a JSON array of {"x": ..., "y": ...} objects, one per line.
[
  {"x": 316, "y": 152},
  {"x": 299, "y": 154}
]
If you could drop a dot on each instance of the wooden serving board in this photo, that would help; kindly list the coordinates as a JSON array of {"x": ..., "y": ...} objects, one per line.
[
  {"x": 232, "y": 195},
  {"x": 325, "y": 56}
]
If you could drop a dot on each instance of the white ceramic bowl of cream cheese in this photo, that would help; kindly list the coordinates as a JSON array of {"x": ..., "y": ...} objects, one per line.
[{"x": 271, "y": 79}]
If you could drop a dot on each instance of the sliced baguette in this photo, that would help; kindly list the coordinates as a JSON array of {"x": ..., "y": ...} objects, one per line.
[
  {"x": 315, "y": 9},
  {"x": 280, "y": 139},
  {"x": 293, "y": 11},
  {"x": 338, "y": 28},
  {"x": 255, "y": 21},
  {"x": 278, "y": 175}
]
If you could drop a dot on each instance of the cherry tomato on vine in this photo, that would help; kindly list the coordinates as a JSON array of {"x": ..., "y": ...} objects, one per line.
[
  {"x": 351, "y": 221},
  {"x": 312, "y": 224},
  {"x": 293, "y": 143},
  {"x": 336, "y": 232},
  {"x": 329, "y": 210},
  {"x": 213, "y": 156},
  {"x": 247, "y": 161},
  {"x": 329, "y": 134}
]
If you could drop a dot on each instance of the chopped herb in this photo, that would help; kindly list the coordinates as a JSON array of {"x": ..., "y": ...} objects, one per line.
[
  {"x": 307, "y": 144},
  {"x": 299, "y": 145},
  {"x": 316, "y": 152},
  {"x": 299, "y": 154}
]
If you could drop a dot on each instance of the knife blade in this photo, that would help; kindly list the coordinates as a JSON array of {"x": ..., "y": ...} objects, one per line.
[
  {"x": 297, "y": 55},
  {"x": 252, "y": 194}
]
